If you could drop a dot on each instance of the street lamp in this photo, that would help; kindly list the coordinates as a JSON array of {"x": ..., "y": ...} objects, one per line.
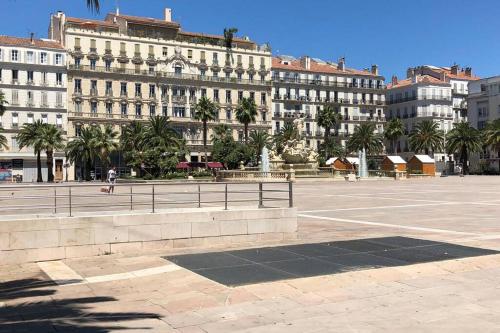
[{"x": 444, "y": 145}]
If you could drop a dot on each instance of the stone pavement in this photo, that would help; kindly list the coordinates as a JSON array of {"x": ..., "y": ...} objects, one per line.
[{"x": 460, "y": 295}]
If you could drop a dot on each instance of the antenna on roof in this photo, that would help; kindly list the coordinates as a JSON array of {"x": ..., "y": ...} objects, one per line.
[{"x": 117, "y": 5}]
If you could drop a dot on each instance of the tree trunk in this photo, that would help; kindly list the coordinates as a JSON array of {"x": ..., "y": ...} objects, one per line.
[
  {"x": 246, "y": 133},
  {"x": 464, "y": 158},
  {"x": 39, "y": 178},
  {"x": 205, "y": 143},
  {"x": 88, "y": 167},
  {"x": 103, "y": 170},
  {"x": 50, "y": 165}
]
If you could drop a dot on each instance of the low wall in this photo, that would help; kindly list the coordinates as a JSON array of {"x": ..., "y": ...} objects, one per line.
[{"x": 53, "y": 238}]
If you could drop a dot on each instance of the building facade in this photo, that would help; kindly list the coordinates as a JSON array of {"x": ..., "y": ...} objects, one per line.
[
  {"x": 483, "y": 107},
  {"x": 33, "y": 81},
  {"x": 420, "y": 97},
  {"x": 126, "y": 68},
  {"x": 302, "y": 87},
  {"x": 458, "y": 78}
]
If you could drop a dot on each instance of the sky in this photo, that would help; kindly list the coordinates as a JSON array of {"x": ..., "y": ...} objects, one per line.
[{"x": 394, "y": 34}]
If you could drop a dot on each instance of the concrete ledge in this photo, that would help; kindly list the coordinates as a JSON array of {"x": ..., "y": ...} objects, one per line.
[{"x": 60, "y": 237}]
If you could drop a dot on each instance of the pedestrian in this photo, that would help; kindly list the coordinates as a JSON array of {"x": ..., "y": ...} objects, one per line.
[{"x": 111, "y": 179}]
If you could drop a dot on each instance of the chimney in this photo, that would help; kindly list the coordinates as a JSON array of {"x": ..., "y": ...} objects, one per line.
[
  {"x": 454, "y": 69},
  {"x": 168, "y": 15},
  {"x": 468, "y": 71},
  {"x": 32, "y": 38},
  {"x": 443, "y": 75},
  {"x": 374, "y": 69},
  {"x": 305, "y": 62},
  {"x": 341, "y": 64},
  {"x": 394, "y": 80},
  {"x": 414, "y": 78},
  {"x": 410, "y": 72}
]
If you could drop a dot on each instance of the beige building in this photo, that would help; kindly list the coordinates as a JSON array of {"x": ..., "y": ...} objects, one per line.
[
  {"x": 302, "y": 87},
  {"x": 126, "y": 68}
]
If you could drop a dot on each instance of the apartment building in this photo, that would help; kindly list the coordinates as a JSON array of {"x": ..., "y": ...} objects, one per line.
[
  {"x": 458, "y": 78},
  {"x": 302, "y": 87},
  {"x": 126, "y": 68},
  {"x": 415, "y": 99},
  {"x": 33, "y": 81},
  {"x": 483, "y": 105}
]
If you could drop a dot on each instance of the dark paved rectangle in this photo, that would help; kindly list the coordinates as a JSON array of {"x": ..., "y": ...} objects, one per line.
[{"x": 267, "y": 264}]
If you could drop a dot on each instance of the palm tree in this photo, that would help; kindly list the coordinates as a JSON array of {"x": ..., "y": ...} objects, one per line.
[
  {"x": 426, "y": 137},
  {"x": 81, "y": 149},
  {"x": 228, "y": 37},
  {"x": 205, "y": 110},
  {"x": 104, "y": 143},
  {"x": 364, "y": 137},
  {"x": 328, "y": 118},
  {"x": 2, "y": 103},
  {"x": 491, "y": 134},
  {"x": 331, "y": 148},
  {"x": 393, "y": 131},
  {"x": 30, "y": 136},
  {"x": 132, "y": 143},
  {"x": 259, "y": 140},
  {"x": 246, "y": 112},
  {"x": 221, "y": 133},
  {"x": 93, "y": 5},
  {"x": 464, "y": 139},
  {"x": 286, "y": 133},
  {"x": 160, "y": 134},
  {"x": 3, "y": 141},
  {"x": 52, "y": 140}
]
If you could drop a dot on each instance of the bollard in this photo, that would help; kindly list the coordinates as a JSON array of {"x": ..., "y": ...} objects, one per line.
[
  {"x": 69, "y": 201},
  {"x": 199, "y": 196},
  {"x": 153, "y": 201},
  {"x": 290, "y": 195},
  {"x": 225, "y": 198},
  {"x": 131, "y": 197},
  {"x": 261, "y": 203}
]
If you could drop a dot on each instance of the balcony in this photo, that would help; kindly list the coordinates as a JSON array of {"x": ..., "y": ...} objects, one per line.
[
  {"x": 327, "y": 83},
  {"x": 93, "y": 92},
  {"x": 168, "y": 75},
  {"x": 109, "y": 93},
  {"x": 179, "y": 99}
]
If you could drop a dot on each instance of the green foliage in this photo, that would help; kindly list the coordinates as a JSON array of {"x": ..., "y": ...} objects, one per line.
[
  {"x": 104, "y": 143},
  {"x": 29, "y": 136},
  {"x": 205, "y": 111},
  {"x": 221, "y": 132},
  {"x": 81, "y": 149},
  {"x": 331, "y": 148},
  {"x": 3, "y": 140},
  {"x": 463, "y": 139},
  {"x": 426, "y": 137},
  {"x": 287, "y": 132},
  {"x": 491, "y": 134},
  {"x": 231, "y": 152},
  {"x": 93, "y": 5},
  {"x": 259, "y": 140},
  {"x": 52, "y": 140},
  {"x": 229, "y": 36},
  {"x": 364, "y": 136},
  {"x": 394, "y": 129},
  {"x": 329, "y": 119},
  {"x": 3, "y": 102},
  {"x": 246, "y": 112}
]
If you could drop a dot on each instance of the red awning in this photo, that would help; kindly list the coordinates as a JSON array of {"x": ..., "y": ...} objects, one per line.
[
  {"x": 215, "y": 165},
  {"x": 182, "y": 165}
]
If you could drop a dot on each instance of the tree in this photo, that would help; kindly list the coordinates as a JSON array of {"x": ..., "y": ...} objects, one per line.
[
  {"x": 463, "y": 139},
  {"x": 426, "y": 137},
  {"x": 331, "y": 148},
  {"x": 364, "y": 137},
  {"x": 491, "y": 135},
  {"x": 81, "y": 149},
  {"x": 231, "y": 153},
  {"x": 259, "y": 140},
  {"x": 93, "y": 5},
  {"x": 3, "y": 102},
  {"x": 328, "y": 118},
  {"x": 104, "y": 143},
  {"x": 286, "y": 133},
  {"x": 52, "y": 140},
  {"x": 229, "y": 36},
  {"x": 220, "y": 133},
  {"x": 393, "y": 131},
  {"x": 30, "y": 136},
  {"x": 3, "y": 140},
  {"x": 205, "y": 110},
  {"x": 246, "y": 112},
  {"x": 132, "y": 144}
]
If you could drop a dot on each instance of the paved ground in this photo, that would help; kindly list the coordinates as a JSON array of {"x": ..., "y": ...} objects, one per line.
[{"x": 145, "y": 293}]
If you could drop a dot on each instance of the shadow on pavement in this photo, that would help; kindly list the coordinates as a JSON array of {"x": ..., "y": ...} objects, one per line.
[{"x": 28, "y": 307}]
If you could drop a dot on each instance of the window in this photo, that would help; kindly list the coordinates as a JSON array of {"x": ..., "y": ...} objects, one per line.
[
  {"x": 215, "y": 59},
  {"x": 164, "y": 52},
  {"x": 151, "y": 69},
  {"x": 78, "y": 130},
  {"x": 152, "y": 91},
  {"x": 263, "y": 98},
  {"x": 164, "y": 110},
  {"x": 228, "y": 96},
  {"x": 138, "y": 110},
  {"x": 240, "y": 95},
  {"x": 0, "y": 75},
  {"x": 30, "y": 77},
  {"x": 109, "y": 86},
  {"x": 45, "y": 119},
  {"x": 44, "y": 99},
  {"x": 138, "y": 90},
  {"x": 239, "y": 76},
  {"x": 109, "y": 107},
  {"x": 59, "y": 59},
  {"x": 15, "y": 75},
  {"x": 14, "y": 55},
  {"x": 30, "y": 98},
  {"x": 202, "y": 56},
  {"x": 152, "y": 110},
  {"x": 252, "y": 95},
  {"x": 30, "y": 57},
  {"x": 59, "y": 79},
  {"x": 59, "y": 99},
  {"x": 179, "y": 111},
  {"x": 178, "y": 69},
  {"x": 92, "y": 45},
  {"x": 123, "y": 88},
  {"x": 151, "y": 51},
  {"x": 107, "y": 65},
  {"x": 250, "y": 77},
  {"x": 43, "y": 57},
  {"x": 108, "y": 46},
  {"x": 202, "y": 72},
  {"x": 1, "y": 55},
  {"x": 93, "y": 107},
  {"x": 30, "y": 118},
  {"x": 77, "y": 63},
  {"x": 93, "y": 87},
  {"x": 92, "y": 64},
  {"x": 203, "y": 92},
  {"x": 123, "y": 109},
  {"x": 250, "y": 60},
  {"x": 15, "y": 119},
  {"x": 190, "y": 54},
  {"x": 44, "y": 77},
  {"x": 228, "y": 114},
  {"x": 216, "y": 95},
  {"x": 78, "y": 106},
  {"x": 59, "y": 121}
]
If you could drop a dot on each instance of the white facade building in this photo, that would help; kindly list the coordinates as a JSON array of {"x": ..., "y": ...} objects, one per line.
[
  {"x": 33, "y": 81},
  {"x": 484, "y": 107},
  {"x": 415, "y": 99},
  {"x": 302, "y": 87}
]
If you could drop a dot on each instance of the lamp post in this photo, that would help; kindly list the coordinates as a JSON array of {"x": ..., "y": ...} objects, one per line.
[{"x": 444, "y": 145}]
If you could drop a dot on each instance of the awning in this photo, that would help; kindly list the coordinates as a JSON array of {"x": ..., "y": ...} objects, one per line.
[
  {"x": 182, "y": 165},
  {"x": 215, "y": 165}
]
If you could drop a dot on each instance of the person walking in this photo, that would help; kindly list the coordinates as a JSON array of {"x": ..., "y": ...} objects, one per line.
[{"x": 111, "y": 180}]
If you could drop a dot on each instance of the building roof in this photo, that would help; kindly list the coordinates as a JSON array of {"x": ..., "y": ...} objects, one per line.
[
  {"x": 144, "y": 20},
  {"x": 424, "y": 158},
  {"x": 198, "y": 34},
  {"x": 27, "y": 42},
  {"x": 461, "y": 75},
  {"x": 353, "y": 160},
  {"x": 88, "y": 22},
  {"x": 331, "y": 160},
  {"x": 419, "y": 80},
  {"x": 315, "y": 67},
  {"x": 396, "y": 159}
]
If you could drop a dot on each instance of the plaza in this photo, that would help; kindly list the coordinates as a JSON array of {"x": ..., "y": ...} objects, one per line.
[{"x": 147, "y": 290}]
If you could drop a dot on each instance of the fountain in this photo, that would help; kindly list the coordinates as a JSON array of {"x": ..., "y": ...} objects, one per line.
[
  {"x": 363, "y": 167},
  {"x": 264, "y": 165}
]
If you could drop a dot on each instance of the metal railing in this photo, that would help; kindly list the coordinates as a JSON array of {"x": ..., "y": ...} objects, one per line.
[{"x": 94, "y": 197}]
